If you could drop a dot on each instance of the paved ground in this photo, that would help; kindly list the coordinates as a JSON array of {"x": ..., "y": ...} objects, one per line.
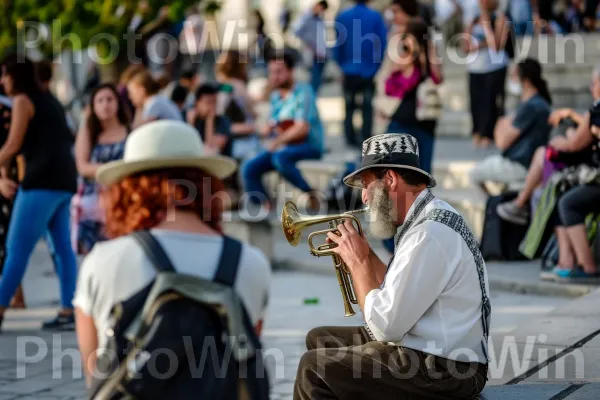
[{"x": 46, "y": 366}]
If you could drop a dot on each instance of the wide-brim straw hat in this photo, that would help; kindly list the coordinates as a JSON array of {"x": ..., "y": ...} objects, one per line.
[{"x": 164, "y": 144}]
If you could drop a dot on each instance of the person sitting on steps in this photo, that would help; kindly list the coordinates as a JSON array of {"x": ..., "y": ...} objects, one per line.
[
  {"x": 575, "y": 141},
  {"x": 518, "y": 137},
  {"x": 295, "y": 133}
]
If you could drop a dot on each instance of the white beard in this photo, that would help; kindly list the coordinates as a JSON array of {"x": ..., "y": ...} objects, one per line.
[{"x": 382, "y": 215}]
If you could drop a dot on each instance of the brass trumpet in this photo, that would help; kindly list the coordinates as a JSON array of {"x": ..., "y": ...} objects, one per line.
[{"x": 294, "y": 223}]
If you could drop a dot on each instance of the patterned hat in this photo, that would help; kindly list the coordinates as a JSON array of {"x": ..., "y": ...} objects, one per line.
[{"x": 390, "y": 150}]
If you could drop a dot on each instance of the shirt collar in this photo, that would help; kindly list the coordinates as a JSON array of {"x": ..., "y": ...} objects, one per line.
[
  {"x": 414, "y": 204},
  {"x": 409, "y": 218}
]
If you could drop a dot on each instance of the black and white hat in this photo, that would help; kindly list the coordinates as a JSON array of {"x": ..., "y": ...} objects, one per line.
[{"x": 390, "y": 150}]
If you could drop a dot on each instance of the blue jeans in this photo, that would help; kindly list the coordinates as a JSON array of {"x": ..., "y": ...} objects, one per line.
[
  {"x": 283, "y": 161},
  {"x": 316, "y": 74},
  {"x": 426, "y": 142},
  {"x": 36, "y": 212},
  {"x": 354, "y": 86},
  {"x": 523, "y": 28}
]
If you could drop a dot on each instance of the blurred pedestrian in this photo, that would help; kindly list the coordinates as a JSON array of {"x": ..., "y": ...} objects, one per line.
[
  {"x": 214, "y": 128},
  {"x": 11, "y": 174},
  {"x": 359, "y": 59},
  {"x": 294, "y": 131},
  {"x": 310, "y": 29},
  {"x": 124, "y": 79},
  {"x": 101, "y": 139},
  {"x": 43, "y": 199},
  {"x": 238, "y": 107},
  {"x": 519, "y": 136},
  {"x": 486, "y": 36},
  {"x": 415, "y": 76},
  {"x": 143, "y": 193},
  {"x": 150, "y": 106},
  {"x": 187, "y": 80},
  {"x": 179, "y": 96}
]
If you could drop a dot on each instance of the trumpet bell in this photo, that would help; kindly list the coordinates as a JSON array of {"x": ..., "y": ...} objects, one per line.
[
  {"x": 293, "y": 223},
  {"x": 289, "y": 223}
]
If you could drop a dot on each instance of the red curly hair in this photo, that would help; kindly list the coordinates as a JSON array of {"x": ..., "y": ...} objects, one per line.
[{"x": 141, "y": 201}]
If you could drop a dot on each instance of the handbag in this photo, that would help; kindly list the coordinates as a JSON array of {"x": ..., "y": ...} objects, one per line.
[{"x": 429, "y": 102}]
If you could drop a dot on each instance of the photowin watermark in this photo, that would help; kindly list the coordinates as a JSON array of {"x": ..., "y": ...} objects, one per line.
[
  {"x": 163, "y": 48},
  {"x": 508, "y": 358},
  {"x": 250, "y": 206}
]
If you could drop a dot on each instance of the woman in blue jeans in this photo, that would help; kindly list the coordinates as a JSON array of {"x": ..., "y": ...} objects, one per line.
[{"x": 39, "y": 131}]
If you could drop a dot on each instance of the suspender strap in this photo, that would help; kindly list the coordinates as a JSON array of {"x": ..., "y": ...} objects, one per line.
[
  {"x": 409, "y": 222},
  {"x": 154, "y": 251},
  {"x": 229, "y": 262},
  {"x": 458, "y": 224}
]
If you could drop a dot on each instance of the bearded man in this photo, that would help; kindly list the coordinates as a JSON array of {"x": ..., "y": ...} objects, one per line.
[{"x": 426, "y": 312}]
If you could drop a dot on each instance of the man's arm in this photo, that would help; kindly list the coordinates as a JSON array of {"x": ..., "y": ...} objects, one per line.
[
  {"x": 576, "y": 142},
  {"x": 296, "y": 132},
  {"x": 505, "y": 133},
  {"x": 417, "y": 277},
  {"x": 378, "y": 266}
]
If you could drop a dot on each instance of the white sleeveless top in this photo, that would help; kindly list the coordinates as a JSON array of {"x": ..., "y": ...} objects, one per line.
[{"x": 486, "y": 59}]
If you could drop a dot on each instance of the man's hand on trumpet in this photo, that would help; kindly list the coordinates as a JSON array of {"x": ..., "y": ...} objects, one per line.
[
  {"x": 352, "y": 247},
  {"x": 357, "y": 255}
]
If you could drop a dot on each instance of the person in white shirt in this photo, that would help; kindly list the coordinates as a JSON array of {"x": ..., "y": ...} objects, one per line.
[
  {"x": 149, "y": 189},
  {"x": 426, "y": 313},
  {"x": 311, "y": 30},
  {"x": 150, "y": 105}
]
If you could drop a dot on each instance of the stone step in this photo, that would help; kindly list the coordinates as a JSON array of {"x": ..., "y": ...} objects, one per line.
[
  {"x": 469, "y": 202},
  {"x": 543, "y": 391},
  {"x": 456, "y": 70}
]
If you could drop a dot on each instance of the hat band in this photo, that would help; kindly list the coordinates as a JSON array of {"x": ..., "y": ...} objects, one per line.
[{"x": 401, "y": 159}]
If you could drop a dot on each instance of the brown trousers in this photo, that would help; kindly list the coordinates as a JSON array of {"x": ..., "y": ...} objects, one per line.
[{"x": 344, "y": 363}]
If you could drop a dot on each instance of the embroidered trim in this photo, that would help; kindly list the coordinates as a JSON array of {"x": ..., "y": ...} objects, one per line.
[
  {"x": 385, "y": 144},
  {"x": 408, "y": 223},
  {"x": 458, "y": 224}
]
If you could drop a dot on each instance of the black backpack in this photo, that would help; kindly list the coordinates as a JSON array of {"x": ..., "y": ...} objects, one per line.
[
  {"x": 500, "y": 239},
  {"x": 182, "y": 337}
]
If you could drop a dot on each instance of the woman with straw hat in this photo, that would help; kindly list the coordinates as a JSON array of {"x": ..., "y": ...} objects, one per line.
[{"x": 164, "y": 184}]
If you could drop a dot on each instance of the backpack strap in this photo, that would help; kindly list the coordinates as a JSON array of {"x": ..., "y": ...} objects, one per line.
[
  {"x": 229, "y": 261},
  {"x": 154, "y": 251}
]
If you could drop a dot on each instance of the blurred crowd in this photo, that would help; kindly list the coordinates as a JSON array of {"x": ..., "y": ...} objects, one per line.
[{"x": 48, "y": 184}]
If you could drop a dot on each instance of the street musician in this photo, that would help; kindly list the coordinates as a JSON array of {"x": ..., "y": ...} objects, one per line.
[{"x": 426, "y": 313}]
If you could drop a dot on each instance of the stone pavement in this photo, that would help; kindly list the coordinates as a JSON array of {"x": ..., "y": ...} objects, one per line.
[
  {"x": 41, "y": 365},
  {"x": 553, "y": 356}
]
